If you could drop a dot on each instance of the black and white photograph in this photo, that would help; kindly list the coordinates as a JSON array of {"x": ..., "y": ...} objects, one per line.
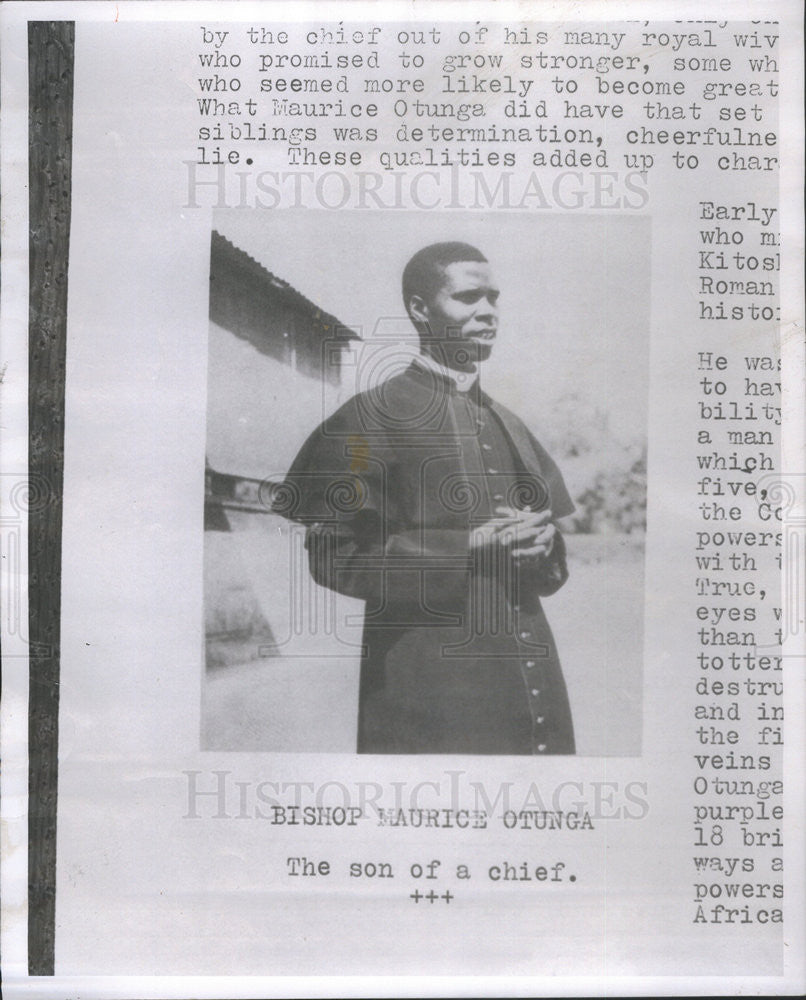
[
  {"x": 402, "y": 499},
  {"x": 425, "y": 495}
]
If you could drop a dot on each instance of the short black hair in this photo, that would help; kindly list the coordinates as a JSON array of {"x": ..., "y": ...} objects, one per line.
[{"x": 423, "y": 273}]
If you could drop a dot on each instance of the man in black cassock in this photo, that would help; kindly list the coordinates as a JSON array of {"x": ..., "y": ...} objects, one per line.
[{"x": 436, "y": 506}]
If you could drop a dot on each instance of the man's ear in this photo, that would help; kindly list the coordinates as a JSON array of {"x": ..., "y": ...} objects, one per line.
[{"x": 418, "y": 309}]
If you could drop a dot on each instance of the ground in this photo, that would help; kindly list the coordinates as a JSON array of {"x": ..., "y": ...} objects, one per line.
[{"x": 302, "y": 694}]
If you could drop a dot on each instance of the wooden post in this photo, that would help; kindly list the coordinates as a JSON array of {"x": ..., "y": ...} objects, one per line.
[{"x": 50, "y": 128}]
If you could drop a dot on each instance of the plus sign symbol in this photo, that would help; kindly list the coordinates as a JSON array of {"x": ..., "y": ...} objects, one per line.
[{"x": 431, "y": 896}]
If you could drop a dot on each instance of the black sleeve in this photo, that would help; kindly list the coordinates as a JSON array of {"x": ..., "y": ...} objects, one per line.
[
  {"x": 362, "y": 540},
  {"x": 561, "y": 503},
  {"x": 546, "y": 575}
]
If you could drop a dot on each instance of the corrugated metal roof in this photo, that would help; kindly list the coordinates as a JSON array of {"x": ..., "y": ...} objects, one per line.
[{"x": 224, "y": 249}]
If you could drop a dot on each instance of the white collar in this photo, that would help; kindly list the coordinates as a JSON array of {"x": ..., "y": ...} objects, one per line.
[{"x": 464, "y": 381}]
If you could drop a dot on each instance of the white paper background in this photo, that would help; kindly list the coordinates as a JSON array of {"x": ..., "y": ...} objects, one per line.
[{"x": 143, "y": 891}]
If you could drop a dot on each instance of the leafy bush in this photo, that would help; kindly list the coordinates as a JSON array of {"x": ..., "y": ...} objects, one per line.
[
  {"x": 614, "y": 500},
  {"x": 606, "y": 473}
]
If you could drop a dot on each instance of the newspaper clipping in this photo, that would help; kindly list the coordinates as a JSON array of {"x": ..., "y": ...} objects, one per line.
[{"x": 403, "y": 498}]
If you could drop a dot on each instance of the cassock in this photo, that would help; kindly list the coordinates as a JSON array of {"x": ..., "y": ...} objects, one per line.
[{"x": 457, "y": 654}]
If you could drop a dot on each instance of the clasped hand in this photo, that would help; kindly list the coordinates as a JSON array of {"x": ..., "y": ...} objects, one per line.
[{"x": 523, "y": 533}]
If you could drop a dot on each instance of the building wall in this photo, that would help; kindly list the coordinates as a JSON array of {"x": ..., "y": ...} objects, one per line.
[
  {"x": 259, "y": 412},
  {"x": 259, "y": 409}
]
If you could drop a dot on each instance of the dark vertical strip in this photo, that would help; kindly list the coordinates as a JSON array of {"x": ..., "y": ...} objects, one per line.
[{"x": 50, "y": 129}]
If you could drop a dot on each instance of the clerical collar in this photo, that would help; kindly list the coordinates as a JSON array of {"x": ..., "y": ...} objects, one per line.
[{"x": 464, "y": 381}]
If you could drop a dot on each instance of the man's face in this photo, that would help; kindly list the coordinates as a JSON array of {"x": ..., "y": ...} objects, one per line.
[{"x": 461, "y": 315}]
